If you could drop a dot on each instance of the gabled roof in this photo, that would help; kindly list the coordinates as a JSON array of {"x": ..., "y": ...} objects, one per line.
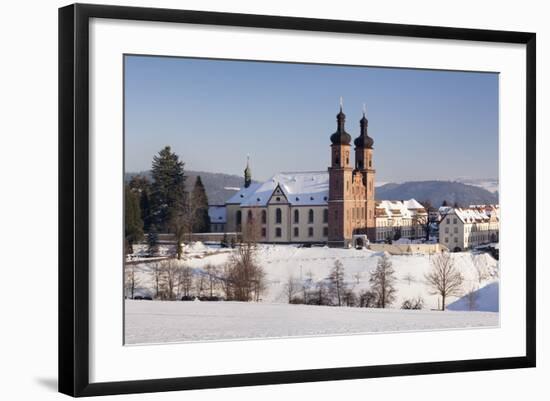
[
  {"x": 300, "y": 188},
  {"x": 405, "y": 209}
]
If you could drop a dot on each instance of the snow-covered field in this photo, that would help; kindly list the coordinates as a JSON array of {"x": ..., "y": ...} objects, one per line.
[
  {"x": 165, "y": 321},
  {"x": 283, "y": 261}
]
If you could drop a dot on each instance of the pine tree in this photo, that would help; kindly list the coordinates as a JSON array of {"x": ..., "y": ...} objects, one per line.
[
  {"x": 141, "y": 184},
  {"x": 199, "y": 205},
  {"x": 133, "y": 225},
  {"x": 167, "y": 190},
  {"x": 152, "y": 241}
]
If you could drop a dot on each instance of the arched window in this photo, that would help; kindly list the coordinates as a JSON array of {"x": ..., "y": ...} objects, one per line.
[
  {"x": 296, "y": 216},
  {"x": 325, "y": 215},
  {"x": 310, "y": 216},
  {"x": 296, "y": 232},
  {"x": 278, "y": 216},
  {"x": 249, "y": 216},
  {"x": 239, "y": 217},
  {"x": 264, "y": 217},
  {"x": 278, "y": 232}
]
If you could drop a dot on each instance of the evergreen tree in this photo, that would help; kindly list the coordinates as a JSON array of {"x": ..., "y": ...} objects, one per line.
[
  {"x": 152, "y": 241},
  {"x": 168, "y": 198},
  {"x": 199, "y": 204},
  {"x": 141, "y": 184},
  {"x": 133, "y": 225}
]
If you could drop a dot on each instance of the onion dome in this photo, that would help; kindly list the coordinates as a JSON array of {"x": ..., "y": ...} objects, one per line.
[
  {"x": 340, "y": 137},
  {"x": 364, "y": 140}
]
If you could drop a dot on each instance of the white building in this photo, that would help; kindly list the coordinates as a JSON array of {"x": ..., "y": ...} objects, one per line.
[
  {"x": 293, "y": 208},
  {"x": 408, "y": 218},
  {"x": 463, "y": 228}
]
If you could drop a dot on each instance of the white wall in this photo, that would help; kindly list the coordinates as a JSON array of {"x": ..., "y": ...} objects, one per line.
[{"x": 29, "y": 124}]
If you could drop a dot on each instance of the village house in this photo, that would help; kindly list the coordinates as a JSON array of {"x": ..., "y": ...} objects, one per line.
[{"x": 464, "y": 228}]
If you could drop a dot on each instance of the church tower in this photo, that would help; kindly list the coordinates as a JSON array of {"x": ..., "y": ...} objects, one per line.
[
  {"x": 340, "y": 183},
  {"x": 364, "y": 166}
]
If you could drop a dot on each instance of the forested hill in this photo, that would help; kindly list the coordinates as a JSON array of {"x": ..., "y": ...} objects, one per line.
[
  {"x": 436, "y": 192},
  {"x": 219, "y": 187}
]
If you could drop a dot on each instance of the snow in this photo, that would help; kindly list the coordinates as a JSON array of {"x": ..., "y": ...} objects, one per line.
[
  {"x": 164, "y": 321},
  {"x": 485, "y": 299},
  {"x": 300, "y": 188},
  {"x": 404, "y": 209},
  {"x": 283, "y": 261}
]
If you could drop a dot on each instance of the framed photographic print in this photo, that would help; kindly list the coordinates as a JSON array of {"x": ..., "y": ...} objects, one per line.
[{"x": 294, "y": 196}]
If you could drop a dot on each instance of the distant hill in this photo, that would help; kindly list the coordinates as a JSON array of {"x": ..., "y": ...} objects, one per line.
[
  {"x": 219, "y": 187},
  {"x": 436, "y": 192}
]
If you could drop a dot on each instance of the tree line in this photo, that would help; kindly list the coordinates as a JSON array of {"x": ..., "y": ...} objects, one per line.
[
  {"x": 163, "y": 205},
  {"x": 444, "y": 279},
  {"x": 242, "y": 278}
]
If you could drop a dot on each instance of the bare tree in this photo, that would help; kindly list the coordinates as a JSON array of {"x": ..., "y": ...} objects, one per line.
[
  {"x": 413, "y": 303},
  {"x": 382, "y": 281},
  {"x": 307, "y": 284},
  {"x": 170, "y": 275},
  {"x": 132, "y": 281},
  {"x": 185, "y": 281},
  {"x": 156, "y": 270},
  {"x": 444, "y": 278},
  {"x": 367, "y": 299},
  {"x": 481, "y": 268},
  {"x": 321, "y": 296},
  {"x": 244, "y": 277},
  {"x": 212, "y": 273},
  {"x": 336, "y": 280},
  {"x": 292, "y": 287}
]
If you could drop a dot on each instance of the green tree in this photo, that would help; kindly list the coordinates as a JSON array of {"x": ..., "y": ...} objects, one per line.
[
  {"x": 152, "y": 241},
  {"x": 199, "y": 205},
  {"x": 168, "y": 197},
  {"x": 141, "y": 185},
  {"x": 133, "y": 225}
]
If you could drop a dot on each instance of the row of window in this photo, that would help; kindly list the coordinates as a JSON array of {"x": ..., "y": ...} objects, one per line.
[
  {"x": 279, "y": 216},
  {"x": 296, "y": 232}
]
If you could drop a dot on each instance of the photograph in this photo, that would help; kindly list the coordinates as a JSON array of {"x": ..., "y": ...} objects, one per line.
[{"x": 271, "y": 200}]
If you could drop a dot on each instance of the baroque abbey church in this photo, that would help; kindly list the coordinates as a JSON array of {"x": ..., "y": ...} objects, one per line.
[{"x": 336, "y": 207}]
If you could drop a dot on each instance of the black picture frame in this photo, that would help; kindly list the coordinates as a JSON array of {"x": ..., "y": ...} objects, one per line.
[{"x": 74, "y": 198}]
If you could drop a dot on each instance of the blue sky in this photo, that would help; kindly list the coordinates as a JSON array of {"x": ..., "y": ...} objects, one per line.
[{"x": 425, "y": 124}]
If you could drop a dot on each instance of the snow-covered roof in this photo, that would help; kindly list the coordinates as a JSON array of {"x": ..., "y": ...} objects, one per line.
[
  {"x": 413, "y": 204},
  {"x": 300, "y": 188},
  {"x": 405, "y": 209},
  {"x": 217, "y": 214},
  {"x": 478, "y": 214}
]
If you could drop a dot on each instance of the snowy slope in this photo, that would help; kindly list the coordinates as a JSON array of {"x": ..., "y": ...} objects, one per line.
[
  {"x": 161, "y": 322},
  {"x": 282, "y": 261},
  {"x": 484, "y": 299}
]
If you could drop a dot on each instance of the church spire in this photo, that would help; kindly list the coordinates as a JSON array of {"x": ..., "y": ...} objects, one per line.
[
  {"x": 340, "y": 137},
  {"x": 364, "y": 140},
  {"x": 247, "y": 173}
]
